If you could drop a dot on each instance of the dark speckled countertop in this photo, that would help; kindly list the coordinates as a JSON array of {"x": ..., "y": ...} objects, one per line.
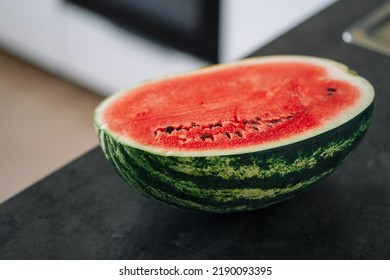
[{"x": 85, "y": 211}]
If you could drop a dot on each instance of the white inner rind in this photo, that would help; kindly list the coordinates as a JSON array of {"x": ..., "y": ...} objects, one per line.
[{"x": 334, "y": 69}]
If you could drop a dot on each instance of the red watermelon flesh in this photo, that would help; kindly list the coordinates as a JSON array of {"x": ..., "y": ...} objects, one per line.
[{"x": 238, "y": 105}]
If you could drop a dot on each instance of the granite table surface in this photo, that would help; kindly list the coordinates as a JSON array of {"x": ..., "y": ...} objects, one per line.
[{"x": 85, "y": 210}]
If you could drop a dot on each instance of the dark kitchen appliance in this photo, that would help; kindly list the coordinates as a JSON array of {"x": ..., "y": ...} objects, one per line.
[{"x": 188, "y": 25}]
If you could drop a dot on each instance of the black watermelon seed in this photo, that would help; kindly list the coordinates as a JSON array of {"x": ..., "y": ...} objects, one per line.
[
  {"x": 169, "y": 129},
  {"x": 205, "y": 136}
]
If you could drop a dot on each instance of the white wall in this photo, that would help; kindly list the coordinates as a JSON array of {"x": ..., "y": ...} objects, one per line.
[
  {"x": 83, "y": 47},
  {"x": 27, "y": 28},
  {"x": 253, "y": 23}
]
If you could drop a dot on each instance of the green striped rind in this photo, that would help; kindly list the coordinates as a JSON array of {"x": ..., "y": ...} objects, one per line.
[{"x": 235, "y": 182}]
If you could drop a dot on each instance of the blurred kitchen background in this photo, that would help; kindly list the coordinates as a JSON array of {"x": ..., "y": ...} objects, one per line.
[{"x": 60, "y": 58}]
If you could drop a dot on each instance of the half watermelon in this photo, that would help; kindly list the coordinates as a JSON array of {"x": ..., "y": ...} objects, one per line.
[{"x": 237, "y": 136}]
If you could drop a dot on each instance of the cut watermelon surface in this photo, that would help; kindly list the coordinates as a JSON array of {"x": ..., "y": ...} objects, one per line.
[
  {"x": 253, "y": 103},
  {"x": 234, "y": 121}
]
